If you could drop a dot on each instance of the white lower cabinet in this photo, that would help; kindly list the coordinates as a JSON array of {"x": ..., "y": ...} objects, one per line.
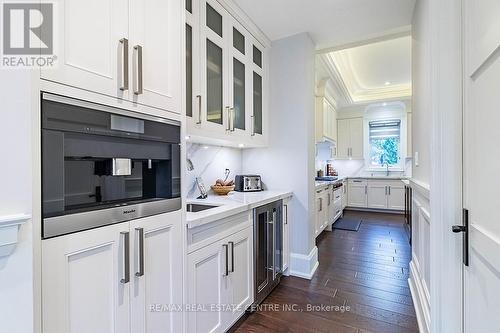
[
  {"x": 357, "y": 193},
  {"x": 396, "y": 196},
  {"x": 157, "y": 275},
  {"x": 376, "y": 194},
  {"x": 220, "y": 282},
  {"x": 89, "y": 281}
]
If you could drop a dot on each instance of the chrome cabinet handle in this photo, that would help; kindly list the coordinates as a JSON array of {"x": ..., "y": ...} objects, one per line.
[
  {"x": 126, "y": 257},
  {"x": 386, "y": 190},
  {"x": 231, "y": 244},
  {"x": 124, "y": 43},
  {"x": 138, "y": 82},
  {"x": 231, "y": 118},
  {"x": 389, "y": 190},
  {"x": 228, "y": 128},
  {"x": 199, "y": 109},
  {"x": 226, "y": 271},
  {"x": 320, "y": 204},
  {"x": 140, "y": 272},
  {"x": 366, "y": 189},
  {"x": 329, "y": 199},
  {"x": 253, "y": 124},
  {"x": 286, "y": 214}
]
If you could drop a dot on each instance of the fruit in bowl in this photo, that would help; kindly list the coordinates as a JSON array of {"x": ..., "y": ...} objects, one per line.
[{"x": 223, "y": 188}]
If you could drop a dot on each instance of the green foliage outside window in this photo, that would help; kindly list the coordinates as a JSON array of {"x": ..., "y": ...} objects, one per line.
[{"x": 385, "y": 151}]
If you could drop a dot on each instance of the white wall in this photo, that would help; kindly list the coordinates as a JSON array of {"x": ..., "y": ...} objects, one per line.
[
  {"x": 288, "y": 163},
  {"x": 209, "y": 163},
  {"x": 421, "y": 85},
  {"x": 16, "y": 272}
]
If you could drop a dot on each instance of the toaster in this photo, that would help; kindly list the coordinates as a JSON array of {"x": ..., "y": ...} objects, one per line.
[{"x": 248, "y": 183}]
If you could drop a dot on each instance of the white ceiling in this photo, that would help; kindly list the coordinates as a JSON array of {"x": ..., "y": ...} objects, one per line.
[
  {"x": 330, "y": 23},
  {"x": 377, "y": 71}
]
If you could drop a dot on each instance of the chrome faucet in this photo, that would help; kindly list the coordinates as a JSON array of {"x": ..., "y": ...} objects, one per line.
[{"x": 387, "y": 169}]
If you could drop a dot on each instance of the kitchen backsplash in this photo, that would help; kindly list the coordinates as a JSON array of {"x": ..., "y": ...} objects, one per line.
[{"x": 210, "y": 163}]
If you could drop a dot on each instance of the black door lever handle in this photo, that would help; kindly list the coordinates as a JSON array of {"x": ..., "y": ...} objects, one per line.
[{"x": 458, "y": 228}]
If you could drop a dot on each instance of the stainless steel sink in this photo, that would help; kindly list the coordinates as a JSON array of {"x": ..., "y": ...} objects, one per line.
[{"x": 193, "y": 208}]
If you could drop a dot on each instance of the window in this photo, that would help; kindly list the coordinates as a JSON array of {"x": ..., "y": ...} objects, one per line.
[{"x": 385, "y": 143}]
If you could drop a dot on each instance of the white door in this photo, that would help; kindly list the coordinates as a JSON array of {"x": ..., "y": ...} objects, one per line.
[
  {"x": 356, "y": 134},
  {"x": 155, "y": 36},
  {"x": 85, "y": 286},
  {"x": 344, "y": 138},
  {"x": 481, "y": 160},
  {"x": 241, "y": 278},
  {"x": 396, "y": 197},
  {"x": 207, "y": 284},
  {"x": 156, "y": 267},
  {"x": 91, "y": 46},
  {"x": 357, "y": 196},
  {"x": 377, "y": 195},
  {"x": 214, "y": 65}
]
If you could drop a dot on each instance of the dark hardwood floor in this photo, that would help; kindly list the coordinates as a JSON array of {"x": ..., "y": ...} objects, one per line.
[{"x": 363, "y": 273}]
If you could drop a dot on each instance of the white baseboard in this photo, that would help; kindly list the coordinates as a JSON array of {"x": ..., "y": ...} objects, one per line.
[
  {"x": 420, "y": 299},
  {"x": 304, "y": 266}
]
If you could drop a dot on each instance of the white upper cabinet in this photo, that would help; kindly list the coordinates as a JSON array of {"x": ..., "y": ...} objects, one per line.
[
  {"x": 350, "y": 138},
  {"x": 226, "y": 81},
  {"x": 92, "y": 46},
  {"x": 125, "y": 49},
  {"x": 326, "y": 120},
  {"x": 155, "y": 46}
]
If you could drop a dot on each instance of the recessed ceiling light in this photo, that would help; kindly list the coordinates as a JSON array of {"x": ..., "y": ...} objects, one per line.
[
  {"x": 241, "y": 145},
  {"x": 384, "y": 104},
  {"x": 387, "y": 83},
  {"x": 205, "y": 147}
]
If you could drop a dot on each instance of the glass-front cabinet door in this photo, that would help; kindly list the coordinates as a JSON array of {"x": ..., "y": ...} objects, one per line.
[
  {"x": 214, "y": 50},
  {"x": 225, "y": 77},
  {"x": 192, "y": 70},
  {"x": 239, "y": 81},
  {"x": 258, "y": 117}
]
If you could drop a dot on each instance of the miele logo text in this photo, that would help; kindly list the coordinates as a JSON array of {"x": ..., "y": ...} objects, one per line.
[{"x": 129, "y": 211}]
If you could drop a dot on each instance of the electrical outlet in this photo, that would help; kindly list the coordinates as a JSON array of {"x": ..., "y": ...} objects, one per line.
[{"x": 416, "y": 159}]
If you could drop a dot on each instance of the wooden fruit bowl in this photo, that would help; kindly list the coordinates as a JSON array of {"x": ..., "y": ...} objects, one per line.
[{"x": 222, "y": 190}]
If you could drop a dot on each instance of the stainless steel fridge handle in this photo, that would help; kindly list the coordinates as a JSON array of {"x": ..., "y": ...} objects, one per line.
[
  {"x": 286, "y": 214},
  {"x": 226, "y": 249},
  {"x": 274, "y": 243},
  {"x": 140, "y": 272},
  {"x": 231, "y": 244},
  {"x": 126, "y": 257}
]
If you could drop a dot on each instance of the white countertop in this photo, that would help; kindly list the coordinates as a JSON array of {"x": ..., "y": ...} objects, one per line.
[
  {"x": 233, "y": 203},
  {"x": 321, "y": 184}
]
